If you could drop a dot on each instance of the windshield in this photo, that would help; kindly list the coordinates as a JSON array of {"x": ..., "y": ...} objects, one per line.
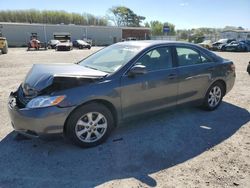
[
  {"x": 81, "y": 42},
  {"x": 111, "y": 58}
]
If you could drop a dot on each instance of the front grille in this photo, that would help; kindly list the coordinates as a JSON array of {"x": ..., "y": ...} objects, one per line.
[{"x": 21, "y": 100}]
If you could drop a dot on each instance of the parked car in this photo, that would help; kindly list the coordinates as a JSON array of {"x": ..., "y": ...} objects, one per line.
[
  {"x": 81, "y": 44},
  {"x": 85, "y": 101},
  {"x": 247, "y": 44},
  {"x": 64, "y": 46},
  {"x": 65, "y": 41},
  {"x": 236, "y": 47},
  {"x": 248, "y": 68},
  {"x": 206, "y": 44},
  {"x": 220, "y": 44},
  {"x": 52, "y": 44}
]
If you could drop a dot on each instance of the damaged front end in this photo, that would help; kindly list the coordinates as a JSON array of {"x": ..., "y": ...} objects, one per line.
[{"x": 26, "y": 93}]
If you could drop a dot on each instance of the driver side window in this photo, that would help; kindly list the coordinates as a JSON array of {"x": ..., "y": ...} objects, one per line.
[{"x": 157, "y": 59}]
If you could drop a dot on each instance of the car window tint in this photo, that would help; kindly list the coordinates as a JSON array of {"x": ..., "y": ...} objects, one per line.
[
  {"x": 157, "y": 59},
  {"x": 187, "y": 56},
  {"x": 204, "y": 59}
]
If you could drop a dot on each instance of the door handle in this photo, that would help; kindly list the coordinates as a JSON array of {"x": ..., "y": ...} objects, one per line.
[{"x": 172, "y": 76}]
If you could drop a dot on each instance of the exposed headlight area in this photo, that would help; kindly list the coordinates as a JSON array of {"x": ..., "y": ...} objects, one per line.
[{"x": 45, "y": 101}]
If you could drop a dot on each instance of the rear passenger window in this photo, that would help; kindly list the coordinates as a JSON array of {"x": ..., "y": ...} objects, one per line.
[
  {"x": 157, "y": 59},
  {"x": 187, "y": 56}
]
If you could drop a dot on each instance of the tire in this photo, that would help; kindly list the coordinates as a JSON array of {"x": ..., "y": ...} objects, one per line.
[
  {"x": 5, "y": 49},
  {"x": 83, "y": 129},
  {"x": 214, "y": 96},
  {"x": 248, "y": 68}
]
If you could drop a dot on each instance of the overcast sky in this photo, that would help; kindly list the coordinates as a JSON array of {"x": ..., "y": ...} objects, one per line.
[{"x": 183, "y": 13}]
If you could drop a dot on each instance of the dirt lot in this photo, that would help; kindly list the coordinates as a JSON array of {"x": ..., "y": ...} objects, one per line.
[{"x": 185, "y": 147}]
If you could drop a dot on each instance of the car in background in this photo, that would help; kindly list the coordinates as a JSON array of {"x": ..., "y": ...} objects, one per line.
[
  {"x": 65, "y": 41},
  {"x": 220, "y": 44},
  {"x": 206, "y": 44},
  {"x": 87, "y": 100},
  {"x": 236, "y": 47},
  {"x": 247, "y": 43},
  {"x": 52, "y": 43},
  {"x": 64, "y": 46},
  {"x": 81, "y": 44}
]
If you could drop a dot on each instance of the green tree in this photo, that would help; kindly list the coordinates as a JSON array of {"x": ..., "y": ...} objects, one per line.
[
  {"x": 50, "y": 17},
  {"x": 123, "y": 16},
  {"x": 156, "y": 28}
]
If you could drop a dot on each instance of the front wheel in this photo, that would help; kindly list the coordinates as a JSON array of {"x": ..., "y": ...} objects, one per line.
[
  {"x": 89, "y": 125},
  {"x": 214, "y": 96}
]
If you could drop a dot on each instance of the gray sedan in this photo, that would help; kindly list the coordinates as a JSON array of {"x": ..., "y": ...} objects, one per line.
[{"x": 87, "y": 100}]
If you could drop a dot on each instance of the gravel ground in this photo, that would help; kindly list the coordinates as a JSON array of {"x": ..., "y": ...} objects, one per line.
[{"x": 185, "y": 147}]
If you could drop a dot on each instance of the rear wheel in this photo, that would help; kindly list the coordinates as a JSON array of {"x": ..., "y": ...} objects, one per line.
[
  {"x": 214, "y": 96},
  {"x": 89, "y": 125}
]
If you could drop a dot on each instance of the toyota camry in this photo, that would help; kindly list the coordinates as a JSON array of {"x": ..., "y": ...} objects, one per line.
[{"x": 85, "y": 101}]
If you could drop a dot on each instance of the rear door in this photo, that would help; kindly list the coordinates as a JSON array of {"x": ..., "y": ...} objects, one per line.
[
  {"x": 195, "y": 71},
  {"x": 154, "y": 90}
]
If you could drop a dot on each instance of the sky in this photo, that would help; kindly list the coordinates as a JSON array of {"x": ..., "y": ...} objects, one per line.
[{"x": 184, "y": 14}]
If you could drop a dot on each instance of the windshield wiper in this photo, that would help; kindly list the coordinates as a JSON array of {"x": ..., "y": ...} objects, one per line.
[
  {"x": 95, "y": 68},
  {"x": 91, "y": 67}
]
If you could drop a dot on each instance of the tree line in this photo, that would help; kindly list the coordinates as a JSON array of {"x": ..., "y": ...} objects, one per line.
[
  {"x": 119, "y": 16},
  {"x": 51, "y": 17}
]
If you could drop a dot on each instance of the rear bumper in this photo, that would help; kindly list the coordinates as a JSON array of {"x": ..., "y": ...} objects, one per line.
[
  {"x": 40, "y": 121},
  {"x": 230, "y": 81}
]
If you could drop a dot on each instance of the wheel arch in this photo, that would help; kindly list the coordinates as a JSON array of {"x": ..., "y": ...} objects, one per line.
[
  {"x": 106, "y": 103},
  {"x": 221, "y": 81}
]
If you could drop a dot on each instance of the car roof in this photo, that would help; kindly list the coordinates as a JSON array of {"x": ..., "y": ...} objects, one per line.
[{"x": 148, "y": 43}]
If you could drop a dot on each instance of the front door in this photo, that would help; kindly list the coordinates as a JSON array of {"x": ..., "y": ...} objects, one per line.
[{"x": 154, "y": 90}]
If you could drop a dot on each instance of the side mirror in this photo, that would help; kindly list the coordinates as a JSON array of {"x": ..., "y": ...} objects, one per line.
[{"x": 137, "y": 69}]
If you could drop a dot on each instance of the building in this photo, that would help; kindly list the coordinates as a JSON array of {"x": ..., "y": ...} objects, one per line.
[
  {"x": 18, "y": 34},
  {"x": 236, "y": 34}
]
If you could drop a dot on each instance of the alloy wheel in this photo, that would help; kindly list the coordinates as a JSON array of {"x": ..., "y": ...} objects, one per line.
[
  {"x": 91, "y": 127},
  {"x": 214, "y": 96}
]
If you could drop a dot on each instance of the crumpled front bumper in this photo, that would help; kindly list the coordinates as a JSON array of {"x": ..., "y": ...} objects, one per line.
[{"x": 39, "y": 121}]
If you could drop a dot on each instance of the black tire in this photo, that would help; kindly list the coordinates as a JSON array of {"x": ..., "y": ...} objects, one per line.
[
  {"x": 206, "y": 104},
  {"x": 81, "y": 113},
  {"x": 5, "y": 49},
  {"x": 248, "y": 68}
]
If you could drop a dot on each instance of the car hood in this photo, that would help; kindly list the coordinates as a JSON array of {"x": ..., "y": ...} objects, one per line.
[
  {"x": 42, "y": 76},
  {"x": 54, "y": 42}
]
